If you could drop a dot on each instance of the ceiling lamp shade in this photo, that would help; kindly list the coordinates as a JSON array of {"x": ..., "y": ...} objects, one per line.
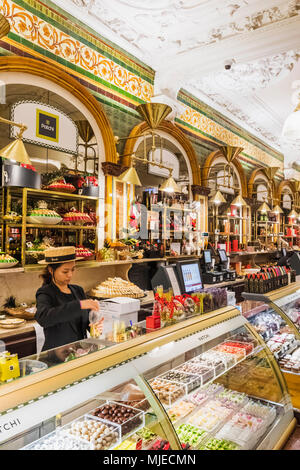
[
  {"x": 218, "y": 198},
  {"x": 277, "y": 210},
  {"x": 264, "y": 208},
  {"x": 293, "y": 214},
  {"x": 16, "y": 151},
  {"x": 291, "y": 127},
  {"x": 85, "y": 130},
  {"x": 170, "y": 186},
  {"x": 154, "y": 113},
  {"x": 229, "y": 152},
  {"x": 130, "y": 176},
  {"x": 238, "y": 201}
]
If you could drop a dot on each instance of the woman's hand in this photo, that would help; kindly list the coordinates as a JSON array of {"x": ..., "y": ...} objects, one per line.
[{"x": 89, "y": 304}]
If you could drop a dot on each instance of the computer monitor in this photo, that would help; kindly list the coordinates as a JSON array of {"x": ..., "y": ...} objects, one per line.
[
  {"x": 189, "y": 275},
  {"x": 223, "y": 256},
  {"x": 207, "y": 257}
]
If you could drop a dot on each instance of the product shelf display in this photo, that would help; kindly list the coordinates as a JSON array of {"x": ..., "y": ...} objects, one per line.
[
  {"x": 275, "y": 316},
  {"x": 206, "y": 383},
  {"x": 47, "y": 218}
]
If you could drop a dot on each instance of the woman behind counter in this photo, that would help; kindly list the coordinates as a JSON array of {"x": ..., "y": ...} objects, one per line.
[{"x": 62, "y": 308}]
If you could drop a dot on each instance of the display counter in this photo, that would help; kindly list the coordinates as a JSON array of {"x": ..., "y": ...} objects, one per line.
[
  {"x": 208, "y": 382},
  {"x": 276, "y": 317}
]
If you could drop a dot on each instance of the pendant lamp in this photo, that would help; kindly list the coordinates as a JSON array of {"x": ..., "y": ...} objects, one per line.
[
  {"x": 16, "y": 151},
  {"x": 130, "y": 176},
  {"x": 218, "y": 198},
  {"x": 277, "y": 210},
  {"x": 238, "y": 201},
  {"x": 264, "y": 208},
  {"x": 293, "y": 214},
  {"x": 170, "y": 186}
]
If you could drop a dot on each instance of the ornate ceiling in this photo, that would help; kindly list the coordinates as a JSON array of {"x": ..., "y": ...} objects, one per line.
[{"x": 188, "y": 41}]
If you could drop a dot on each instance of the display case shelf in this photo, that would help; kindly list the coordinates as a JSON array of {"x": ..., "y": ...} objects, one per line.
[{"x": 71, "y": 388}]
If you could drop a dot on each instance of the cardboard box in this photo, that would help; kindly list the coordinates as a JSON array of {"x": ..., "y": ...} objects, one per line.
[{"x": 120, "y": 305}]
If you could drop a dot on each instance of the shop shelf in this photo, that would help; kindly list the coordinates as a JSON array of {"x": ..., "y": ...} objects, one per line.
[
  {"x": 199, "y": 369},
  {"x": 188, "y": 381},
  {"x": 59, "y": 440},
  {"x": 180, "y": 410},
  {"x": 189, "y": 434},
  {"x": 166, "y": 391},
  {"x": 129, "y": 426},
  {"x": 211, "y": 415},
  {"x": 110, "y": 437}
]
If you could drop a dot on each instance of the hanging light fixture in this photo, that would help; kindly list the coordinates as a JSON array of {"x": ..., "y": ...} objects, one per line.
[
  {"x": 238, "y": 201},
  {"x": 218, "y": 198},
  {"x": 277, "y": 210},
  {"x": 130, "y": 175},
  {"x": 293, "y": 214},
  {"x": 291, "y": 127},
  {"x": 264, "y": 208},
  {"x": 170, "y": 185},
  {"x": 15, "y": 150}
]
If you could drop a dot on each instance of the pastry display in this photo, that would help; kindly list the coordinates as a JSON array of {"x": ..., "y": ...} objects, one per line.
[
  {"x": 160, "y": 444},
  {"x": 244, "y": 429},
  {"x": 232, "y": 398},
  {"x": 291, "y": 362},
  {"x": 74, "y": 217},
  {"x": 192, "y": 435},
  {"x": 266, "y": 324},
  {"x": 128, "y": 418},
  {"x": 219, "y": 444},
  {"x": 229, "y": 348},
  {"x": 198, "y": 397},
  {"x": 7, "y": 261},
  {"x": 117, "y": 287},
  {"x": 196, "y": 368},
  {"x": 266, "y": 412},
  {"x": 59, "y": 440},
  {"x": 167, "y": 392},
  {"x": 281, "y": 343},
  {"x": 82, "y": 252},
  {"x": 212, "y": 360},
  {"x": 42, "y": 215},
  {"x": 180, "y": 409},
  {"x": 60, "y": 185},
  {"x": 211, "y": 415},
  {"x": 190, "y": 381},
  {"x": 100, "y": 435},
  {"x": 146, "y": 435},
  {"x": 128, "y": 444}
]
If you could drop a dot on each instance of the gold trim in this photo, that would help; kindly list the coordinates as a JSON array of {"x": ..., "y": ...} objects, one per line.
[
  {"x": 209, "y": 164},
  {"x": 73, "y": 86},
  {"x": 175, "y": 132},
  {"x": 283, "y": 439},
  {"x": 30, "y": 387}
]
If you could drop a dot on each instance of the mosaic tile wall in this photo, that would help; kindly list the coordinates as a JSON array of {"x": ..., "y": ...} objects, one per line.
[{"x": 117, "y": 79}]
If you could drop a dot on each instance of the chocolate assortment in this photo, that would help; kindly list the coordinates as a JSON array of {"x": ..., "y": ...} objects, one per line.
[{"x": 128, "y": 418}]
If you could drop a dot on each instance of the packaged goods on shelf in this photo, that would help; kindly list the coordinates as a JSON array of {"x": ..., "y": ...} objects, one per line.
[
  {"x": 167, "y": 392},
  {"x": 128, "y": 418}
]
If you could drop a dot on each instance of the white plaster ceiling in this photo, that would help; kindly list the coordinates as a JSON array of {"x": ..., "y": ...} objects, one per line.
[{"x": 187, "y": 41}]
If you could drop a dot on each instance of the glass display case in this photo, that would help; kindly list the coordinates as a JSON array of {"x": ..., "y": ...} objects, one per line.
[
  {"x": 276, "y": 316},
  {"x": 206, "y": 383}
]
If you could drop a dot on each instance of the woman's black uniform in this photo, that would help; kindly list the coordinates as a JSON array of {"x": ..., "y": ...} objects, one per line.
[{"x": 60, "y": 315}]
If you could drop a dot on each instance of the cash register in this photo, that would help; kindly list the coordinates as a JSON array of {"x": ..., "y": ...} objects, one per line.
[
  {"x": 184, "y": 277},
  {"x": 209, "y": 275},
  {"x": 229, "y": 274}
]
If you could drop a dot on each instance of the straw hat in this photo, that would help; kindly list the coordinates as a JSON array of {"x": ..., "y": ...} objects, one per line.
[{"x": 61, "y": 254}]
